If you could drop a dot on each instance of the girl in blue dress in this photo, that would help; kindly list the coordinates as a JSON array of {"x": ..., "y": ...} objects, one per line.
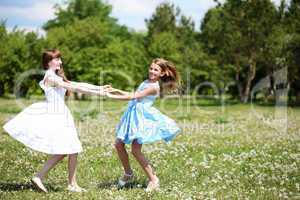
[{"x": 142, "y": 123}]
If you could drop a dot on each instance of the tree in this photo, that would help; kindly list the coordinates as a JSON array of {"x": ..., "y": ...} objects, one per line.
[
  {"x": 163, "y": 20},
  {"x": 91, "y": 48},
  {"x": 79, "y": 10},
  {"x": 19, "y": 52},
  {"x": 292, "y": 50},
  {"x": 3, "y": 38},
  {"x": 172, "y": 35},
  {"x": 236, "y": 33}
]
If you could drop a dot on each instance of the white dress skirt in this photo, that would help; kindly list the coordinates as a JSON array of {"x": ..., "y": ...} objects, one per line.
[{"x": 47, "y": 126}]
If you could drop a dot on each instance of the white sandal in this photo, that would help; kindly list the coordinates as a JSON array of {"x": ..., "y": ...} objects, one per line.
[
  {"x": 37, "y": 182},
  {"x": 73, "y": 188},
  {"x": 122, "y": 182},
  {"x": 152, "y": 186}
]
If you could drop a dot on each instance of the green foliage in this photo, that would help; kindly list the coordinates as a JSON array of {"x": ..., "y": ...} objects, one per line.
[
  {"x": 172, "y": 35},
  {"x": 78, "y": 10},
  {"x": 165, "y": 45},
  {"x": 238, "y": 33},
  {"x": 240, "y": 43},
  {"x": 163, "y": 20},
  {"x": 94, "y": 52},
  {"x": 19, "y": 52}
]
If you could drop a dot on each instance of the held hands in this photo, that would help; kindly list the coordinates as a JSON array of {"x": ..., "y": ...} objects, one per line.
[{"x": 103, "y": 90}]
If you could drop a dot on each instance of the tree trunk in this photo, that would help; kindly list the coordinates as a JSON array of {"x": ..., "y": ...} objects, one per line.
[
  {"x": 237, "y": 79},
  {"x": 250, "y": 76},
  {"x": 298, "y": 97},
  {"x": 1, "y": 89},
  {"x": 271, "y": 89}
]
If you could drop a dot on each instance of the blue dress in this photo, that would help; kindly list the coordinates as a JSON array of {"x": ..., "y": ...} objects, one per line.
[{"x": 144, "y": 123}]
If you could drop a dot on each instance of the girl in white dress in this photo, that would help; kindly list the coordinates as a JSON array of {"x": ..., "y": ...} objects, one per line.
[{"x": 48, "y": 126}]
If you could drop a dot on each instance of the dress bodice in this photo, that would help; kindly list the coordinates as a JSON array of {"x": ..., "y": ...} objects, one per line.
[
  {"x": 143, "y": 123},
  {"x": 148, "y": 100},
  {"x": 53, "y": 94}
]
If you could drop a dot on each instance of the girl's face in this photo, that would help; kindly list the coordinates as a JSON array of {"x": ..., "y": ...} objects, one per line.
[
  {"x": 155, "y": 72},
  {"x": 55, "y": 64}
]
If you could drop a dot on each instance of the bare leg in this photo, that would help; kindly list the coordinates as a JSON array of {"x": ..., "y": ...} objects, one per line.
[
  {"x": 37, "y": 179},
  {"x": 49, "y": 165},
  {"x": 72, "y": 183},
  {"x": 123, "y": 156},
  {"x": 72, "y": 164},
  {"x": 137, "y": 153}
]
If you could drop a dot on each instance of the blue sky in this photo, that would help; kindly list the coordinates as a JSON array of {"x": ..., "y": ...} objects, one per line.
[{"x": 32, "y": 14}]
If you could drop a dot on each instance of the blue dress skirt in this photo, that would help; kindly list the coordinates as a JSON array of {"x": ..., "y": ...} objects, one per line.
[{"x": 144, "y": 123}]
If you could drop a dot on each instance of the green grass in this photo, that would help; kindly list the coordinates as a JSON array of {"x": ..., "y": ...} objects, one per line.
[{"x": 234, "y": 152}]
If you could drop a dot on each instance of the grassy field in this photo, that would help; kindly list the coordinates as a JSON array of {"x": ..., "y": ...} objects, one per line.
[{"x": 223, "y": 152}]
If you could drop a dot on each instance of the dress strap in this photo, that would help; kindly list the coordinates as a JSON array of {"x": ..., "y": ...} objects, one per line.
[{"x": 48, "y": 73}]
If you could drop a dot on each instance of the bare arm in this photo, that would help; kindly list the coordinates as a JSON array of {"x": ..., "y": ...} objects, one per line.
[
  {"x": 121, "y": 92},
  {"x": 74, "y": 87},
  {"x": 135, "y": 95},
  {"x": 90, "y": 86}
]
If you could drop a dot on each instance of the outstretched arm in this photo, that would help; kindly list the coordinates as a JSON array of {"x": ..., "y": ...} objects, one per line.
[
  {"x": 90, "y": 86},
  {"x": 120, "y": 92},
  {"x": 135, "y": 95},
  {"x": 74, "y": 87}
]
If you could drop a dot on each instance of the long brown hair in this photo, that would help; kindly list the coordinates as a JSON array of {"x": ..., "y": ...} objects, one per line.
[
  {"x": 48, "y": 55},
  {"x": 170, "y": 82}
]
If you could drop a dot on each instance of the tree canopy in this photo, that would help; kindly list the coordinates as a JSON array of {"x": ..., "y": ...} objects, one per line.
[{"x": 238, "y": 43}]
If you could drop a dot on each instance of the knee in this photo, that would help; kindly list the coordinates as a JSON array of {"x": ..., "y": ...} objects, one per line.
[{"x": 119, "y": 146}]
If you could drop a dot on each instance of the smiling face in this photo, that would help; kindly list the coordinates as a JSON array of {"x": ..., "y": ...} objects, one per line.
[
  {"x": 155, "y": 72},
  {"x": 55, "y": 64}
]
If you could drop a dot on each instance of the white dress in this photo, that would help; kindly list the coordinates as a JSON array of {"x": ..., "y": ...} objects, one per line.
[{"x": 47, "y": 126}]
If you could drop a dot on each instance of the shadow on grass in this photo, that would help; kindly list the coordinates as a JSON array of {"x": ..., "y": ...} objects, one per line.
[
  {"x": 11, "y": 187},
  {"x": 132, "y": 185}
]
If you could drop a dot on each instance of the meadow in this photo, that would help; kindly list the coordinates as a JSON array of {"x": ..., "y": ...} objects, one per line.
[{"x": 234, "y": 151}]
